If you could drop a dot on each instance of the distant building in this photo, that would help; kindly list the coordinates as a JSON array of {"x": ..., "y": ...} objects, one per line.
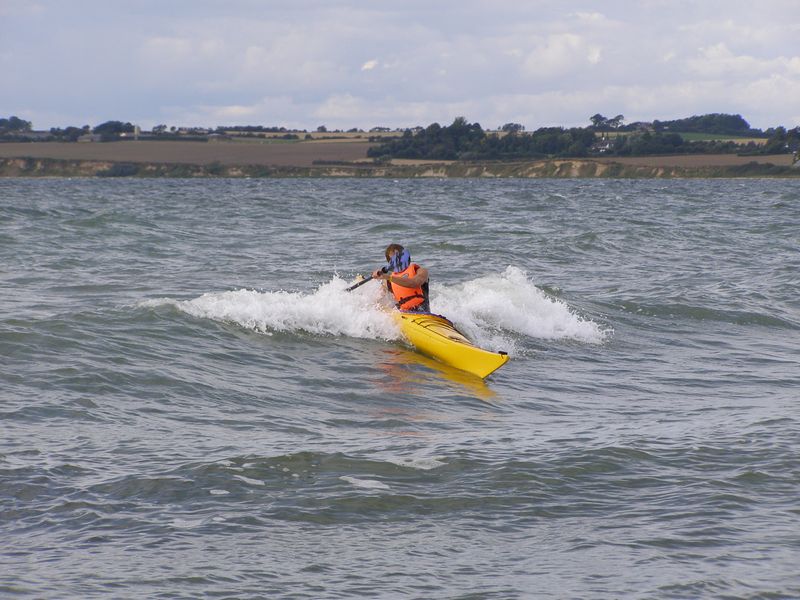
[
  {"x": 34, "y": 136},
  {"x": 642, "y": 126},
  {"x": 194, "y": 131},
  {"x": 603, "y": 145}
]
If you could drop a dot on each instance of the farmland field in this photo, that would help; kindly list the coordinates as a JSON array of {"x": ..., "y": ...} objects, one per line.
[
  {"x": 710, "y": 137},
  {"x": 700, "y": 160},
  {"x": 299, "y": 154},
  {"x": 304, "y": 154}
]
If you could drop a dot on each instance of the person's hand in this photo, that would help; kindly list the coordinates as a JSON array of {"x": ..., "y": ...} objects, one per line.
[{"x": 380, "y": 274}]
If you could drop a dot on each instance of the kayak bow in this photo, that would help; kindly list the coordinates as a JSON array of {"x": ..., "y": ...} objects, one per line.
[{"x": 436, "y": 336}]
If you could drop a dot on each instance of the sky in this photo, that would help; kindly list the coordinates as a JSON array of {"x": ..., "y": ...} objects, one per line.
[{"x": 402, "y": 63}]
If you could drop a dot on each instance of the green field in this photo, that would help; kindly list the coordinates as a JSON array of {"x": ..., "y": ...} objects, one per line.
[
  {"x": 707, "y": 137},
  {"x": 699, "y": 137}
]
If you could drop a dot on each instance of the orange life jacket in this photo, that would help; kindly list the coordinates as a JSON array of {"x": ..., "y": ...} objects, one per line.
[{"x": 408, "y": 298}]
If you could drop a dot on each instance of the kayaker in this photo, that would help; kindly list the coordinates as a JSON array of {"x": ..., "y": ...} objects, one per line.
[{"x": 405, "y": 280}]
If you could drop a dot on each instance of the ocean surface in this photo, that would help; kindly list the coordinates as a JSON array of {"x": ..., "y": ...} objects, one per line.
[{"x": 192, "y": 406}]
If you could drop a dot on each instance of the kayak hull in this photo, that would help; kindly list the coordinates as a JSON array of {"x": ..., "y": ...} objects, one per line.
[{"x": 437, "y": 337}]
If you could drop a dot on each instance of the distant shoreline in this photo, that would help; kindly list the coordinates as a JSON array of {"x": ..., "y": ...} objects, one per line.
[{"x": 346, "y": 159}]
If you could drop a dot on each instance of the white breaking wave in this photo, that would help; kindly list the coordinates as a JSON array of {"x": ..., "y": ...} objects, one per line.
[
  {"x": 488, "y": 306},
  {"x": 368, "y": 484},
  {"x": 490, "y": 310},
  {"x": 422, "y": 464},
  {"x": 329, "y": 310}
]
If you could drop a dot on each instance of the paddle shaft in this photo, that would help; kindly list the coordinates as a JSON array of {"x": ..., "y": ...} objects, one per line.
[
  {"x": 363, "y": 281},
  {"x": 360, "y": 283}
]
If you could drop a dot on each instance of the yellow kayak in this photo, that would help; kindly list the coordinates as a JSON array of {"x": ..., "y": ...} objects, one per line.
[{"x": 437, "y": 337}]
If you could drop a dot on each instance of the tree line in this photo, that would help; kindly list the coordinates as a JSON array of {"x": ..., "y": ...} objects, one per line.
[
  {"x": 463, "y": 140},
  {"x": 713, "y": 123},
  {"x": 15, "y": 124},
  {"x": 468, "y": 141},
  {"x": 14, "y": 128}
]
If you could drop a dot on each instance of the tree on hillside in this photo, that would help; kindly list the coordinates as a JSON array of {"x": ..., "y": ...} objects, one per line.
[
  {"x": 601, "y": 123},
  {"x": 716, "y": 123},
  {"x": 598, "y": 121},
  {"x": 782, "y": 140},
  {"x": 15, "y": 124},
  {"x": 512, "y": 128},
  {"x": 67, "y": 134},
  {"x": 616, "y": 122},
  {"x": 467, "y": 141},
  {"x": 111, "y": 130}
]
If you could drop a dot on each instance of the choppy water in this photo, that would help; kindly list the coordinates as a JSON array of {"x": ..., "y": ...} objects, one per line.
[{"x": 191, "y": 406}]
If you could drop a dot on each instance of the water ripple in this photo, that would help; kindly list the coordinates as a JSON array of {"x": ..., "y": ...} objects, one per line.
[{"x": 192, "y": 406}]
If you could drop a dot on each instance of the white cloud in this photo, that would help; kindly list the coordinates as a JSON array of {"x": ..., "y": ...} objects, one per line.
[
  {"x": 719, "y": 61},
  {"x": 21, "y": 8},
  {"x": 340, "y": 108},
  {"x": 167, "y": 60},
  {"x": 590, "y": 17},
  {"x": 745, "y": 32},
  {"x": 559, "y": 55},
  {"x": 767, "y": 99},
  {"x": 369, "y": 65},
  {"x": 172, "y": 51},
  {"x": 236, "y": 112},
  {"x": 292, "y": 60}
]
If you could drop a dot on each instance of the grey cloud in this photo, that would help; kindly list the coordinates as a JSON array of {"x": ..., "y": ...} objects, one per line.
[{"x": 302, "y": 62}]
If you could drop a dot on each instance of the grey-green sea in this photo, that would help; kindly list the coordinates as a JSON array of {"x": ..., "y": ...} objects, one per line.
[{"x": 192, "y": 406}]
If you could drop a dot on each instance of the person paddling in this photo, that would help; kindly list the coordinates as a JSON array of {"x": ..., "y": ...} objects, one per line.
[{"x": 405, "y": 280}]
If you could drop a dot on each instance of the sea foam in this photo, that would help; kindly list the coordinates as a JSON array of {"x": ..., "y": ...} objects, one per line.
[
  {"x": 489, "y": 307},
  {"x": 329, "y": 310},
  {"x": 493, "y": 311}
]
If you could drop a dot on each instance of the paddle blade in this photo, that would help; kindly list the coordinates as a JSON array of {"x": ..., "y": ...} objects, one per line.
[{"x": 359, "y": 283}]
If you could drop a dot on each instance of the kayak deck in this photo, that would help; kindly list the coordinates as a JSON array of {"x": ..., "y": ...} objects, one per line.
[{"x": 436, "y": 336}]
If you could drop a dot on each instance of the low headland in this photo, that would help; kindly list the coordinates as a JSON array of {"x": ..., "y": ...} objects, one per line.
[
  {"x": 708, "y": 166},
  {"x": 651, "y": 150}
]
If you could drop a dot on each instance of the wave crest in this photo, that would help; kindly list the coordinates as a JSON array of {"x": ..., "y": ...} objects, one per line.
[{"x": 491, "y": 310}]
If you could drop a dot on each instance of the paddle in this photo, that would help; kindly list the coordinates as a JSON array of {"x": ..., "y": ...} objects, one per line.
[
  {"x": 360, "y": 283},
  {"x": 363, "y": 281}
]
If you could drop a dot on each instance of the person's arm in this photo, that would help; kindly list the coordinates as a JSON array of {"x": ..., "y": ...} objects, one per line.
[{"x": 409, "y": 282}]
